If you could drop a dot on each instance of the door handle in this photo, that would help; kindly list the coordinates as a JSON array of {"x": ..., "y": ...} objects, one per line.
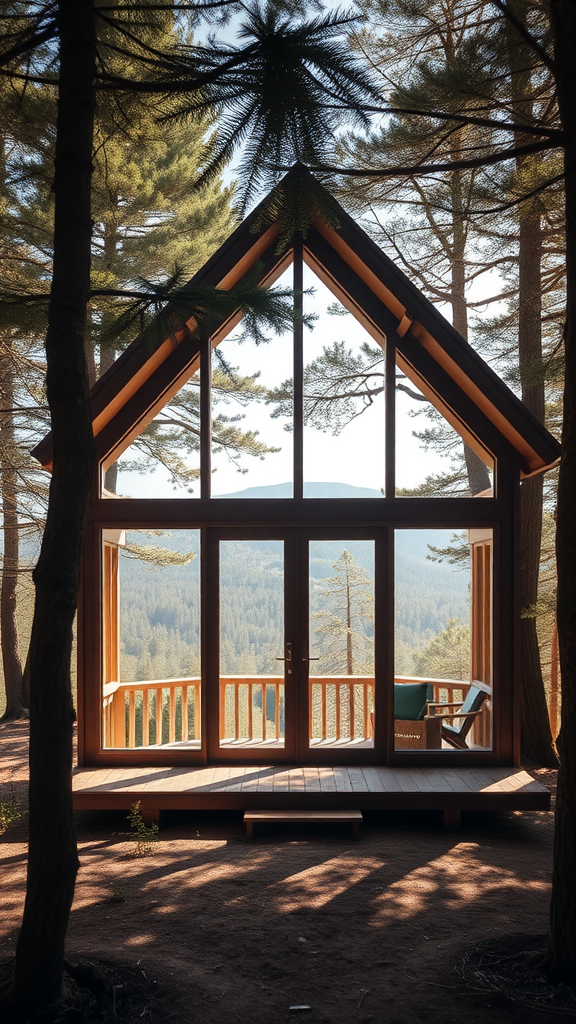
[
  {"x": 287, "y": 658},
  {"x": 310, "y": 659}
]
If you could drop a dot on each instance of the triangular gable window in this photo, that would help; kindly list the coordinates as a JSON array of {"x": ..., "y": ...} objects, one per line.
[{"x": 304, "y": 415}]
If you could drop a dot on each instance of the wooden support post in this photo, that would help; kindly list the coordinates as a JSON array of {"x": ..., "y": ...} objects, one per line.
[
  {"x": 118, "y": 738},
  {"x": 452, "y": 817},
  {"x": 433, "y": 733},
  {"x": 150, "y": 816}
]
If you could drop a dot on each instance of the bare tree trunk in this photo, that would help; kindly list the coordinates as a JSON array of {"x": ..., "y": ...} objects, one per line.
[
  {"x": 537, "y": 744},
  {"x": 53, "y": 859},
  {"x": 107, "y": 355},
  {"x": 349, "y": 649},
  {"x": 12, "y": 666},
  {"x": 561, "y": 954},
  {"x": 478, "y": 476}
]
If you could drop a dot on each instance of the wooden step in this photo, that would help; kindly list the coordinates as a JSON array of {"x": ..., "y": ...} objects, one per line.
[{"x": 353, "y": 818}]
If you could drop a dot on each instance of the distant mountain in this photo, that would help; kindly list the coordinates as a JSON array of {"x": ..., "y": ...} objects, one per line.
[{"x": 311, "y": 490}]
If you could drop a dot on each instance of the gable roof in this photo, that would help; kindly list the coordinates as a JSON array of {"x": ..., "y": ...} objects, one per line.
[{"x": 430, "y": 351}]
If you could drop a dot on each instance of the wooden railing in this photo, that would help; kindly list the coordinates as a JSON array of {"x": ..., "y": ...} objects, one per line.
[
  {"x": 251, "y": 709},
  {"x": 161, "y": 711},
  {"x": 151, "y": 712},
  {"x": 341, "y": 709}
]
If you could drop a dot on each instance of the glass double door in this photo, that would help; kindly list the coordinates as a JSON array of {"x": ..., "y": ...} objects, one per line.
[{"x": 291, "y": 651}]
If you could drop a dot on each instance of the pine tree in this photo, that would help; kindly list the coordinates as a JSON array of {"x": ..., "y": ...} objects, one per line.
[
  {"x": 267, "y": 88},
  {"x": 24, "y": 145},
  {"x": 446, "y": 656},
  {"x": 344, "y": 629},
  {"x": 461, "y": 51}
]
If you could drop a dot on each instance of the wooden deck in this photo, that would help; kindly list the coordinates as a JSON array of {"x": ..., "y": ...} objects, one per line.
[{"x": 280, "y": 787}]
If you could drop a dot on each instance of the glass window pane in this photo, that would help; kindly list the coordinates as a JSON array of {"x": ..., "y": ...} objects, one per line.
[
  {"x": 341, "y": 643},
  {"x": 252, "y": 450},
  {"x": 151, "y": 638},
  {"x": 252, "y": 649},
  {"x": 164, "y": 461},
  {"x": 344, "y": 423},
  {"x": 432, "y": 460},
  {"x": 443, "y": 640}
]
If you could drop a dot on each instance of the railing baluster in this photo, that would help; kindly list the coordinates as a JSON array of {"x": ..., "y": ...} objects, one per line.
[
  {"x": 171, "y": 715},
  {"x": 277, "y": 709},
  {"x": 131, "y": 719},
  {"x": 145, "y": 718},
  {"x": 185, "y": 713},
  {"x": 323, "y": 711},
  {"x": 250, "y": 705},
  {"x": 158, "y": 717},
  {"x": 222, "y": 723},
  {"x": 236, "y": 711},
  {"x": 352, "y": 710}
]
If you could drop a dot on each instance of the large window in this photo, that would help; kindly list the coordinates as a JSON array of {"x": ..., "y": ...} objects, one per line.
[
  {"x": 443, "y": 640},
  {"x": 151, "y": 638},
  {"x": 304, "y": 414}
]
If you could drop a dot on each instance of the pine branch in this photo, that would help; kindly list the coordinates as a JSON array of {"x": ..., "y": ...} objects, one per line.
[
  {"x": 29, "y": 42},
  {"x": 463, "y": 118},
  {"x": 416, "y": 169},
  {"x": 522, "y": 29}
]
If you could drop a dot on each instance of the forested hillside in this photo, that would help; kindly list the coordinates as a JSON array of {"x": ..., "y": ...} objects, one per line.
[{"x": 160, "y": 603}]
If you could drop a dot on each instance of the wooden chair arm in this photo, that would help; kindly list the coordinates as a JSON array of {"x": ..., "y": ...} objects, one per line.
[
  {"x": 452, "y": 714},
  {"x": 444, "y": 704}
]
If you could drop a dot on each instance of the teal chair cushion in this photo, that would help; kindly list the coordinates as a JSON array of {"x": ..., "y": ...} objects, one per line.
[{"x": 410, "y": 700}]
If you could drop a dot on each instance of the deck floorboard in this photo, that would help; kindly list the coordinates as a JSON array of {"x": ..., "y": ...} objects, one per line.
[{"x": 276, "y": 787}]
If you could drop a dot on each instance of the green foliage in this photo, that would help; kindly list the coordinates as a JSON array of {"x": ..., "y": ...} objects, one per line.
[
  {"x": 338, "y": 386},
  {"x": 282, "y": 95},
  {"x": 446, "y": 656},
  {"x": 456, "y": 553},
  {"x": 144, "y": 835},
  {"x": 10, "y": 811},
  {"x": 158, "y": 556},
  {"x": 160, "y": 607},
  {"x": 345, "y": 620},
  {"x": 295, "y": 202}
]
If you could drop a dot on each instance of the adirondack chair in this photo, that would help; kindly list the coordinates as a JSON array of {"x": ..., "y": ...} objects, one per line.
[
  {"x": 410, "y": 706},
  {"x": 465, "y": 712}
]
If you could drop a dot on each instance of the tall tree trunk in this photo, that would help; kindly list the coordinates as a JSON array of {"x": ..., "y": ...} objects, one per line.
[
  {"x": 15, "y": 707},
  {"x": 478, "y": 476},
  {"x": 349, "y": 648},
  {"x": 106, "y": 352},
  {"x": 537, "y": 744},
  {"x": 107, "y": 356},
  {"x": 53, "y": 859},
  {"x": 561, "y": 953}
]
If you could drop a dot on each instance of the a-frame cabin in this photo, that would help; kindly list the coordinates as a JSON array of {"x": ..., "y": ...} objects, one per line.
[{"x": 284, "y": 647}]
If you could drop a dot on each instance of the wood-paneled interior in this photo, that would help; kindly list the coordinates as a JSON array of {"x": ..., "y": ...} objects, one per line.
[
  {"x": 110, "y": 613},
  {"x": 482, "y": 656}
]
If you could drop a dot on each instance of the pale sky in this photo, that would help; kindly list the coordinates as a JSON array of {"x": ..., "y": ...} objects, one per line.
[{"x": 355, "y": 456}]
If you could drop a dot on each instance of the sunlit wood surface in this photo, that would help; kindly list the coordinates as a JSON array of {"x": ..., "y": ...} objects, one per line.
[{"x": 376, "y": 788}]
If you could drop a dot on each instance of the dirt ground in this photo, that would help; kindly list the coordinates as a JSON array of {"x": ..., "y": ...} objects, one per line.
[{"x": 232, "y": 930}]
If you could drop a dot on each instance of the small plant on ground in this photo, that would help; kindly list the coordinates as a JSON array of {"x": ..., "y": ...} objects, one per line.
[
  {"x": 145, "y": 835},
  {"x": 10, "y": 811}
]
